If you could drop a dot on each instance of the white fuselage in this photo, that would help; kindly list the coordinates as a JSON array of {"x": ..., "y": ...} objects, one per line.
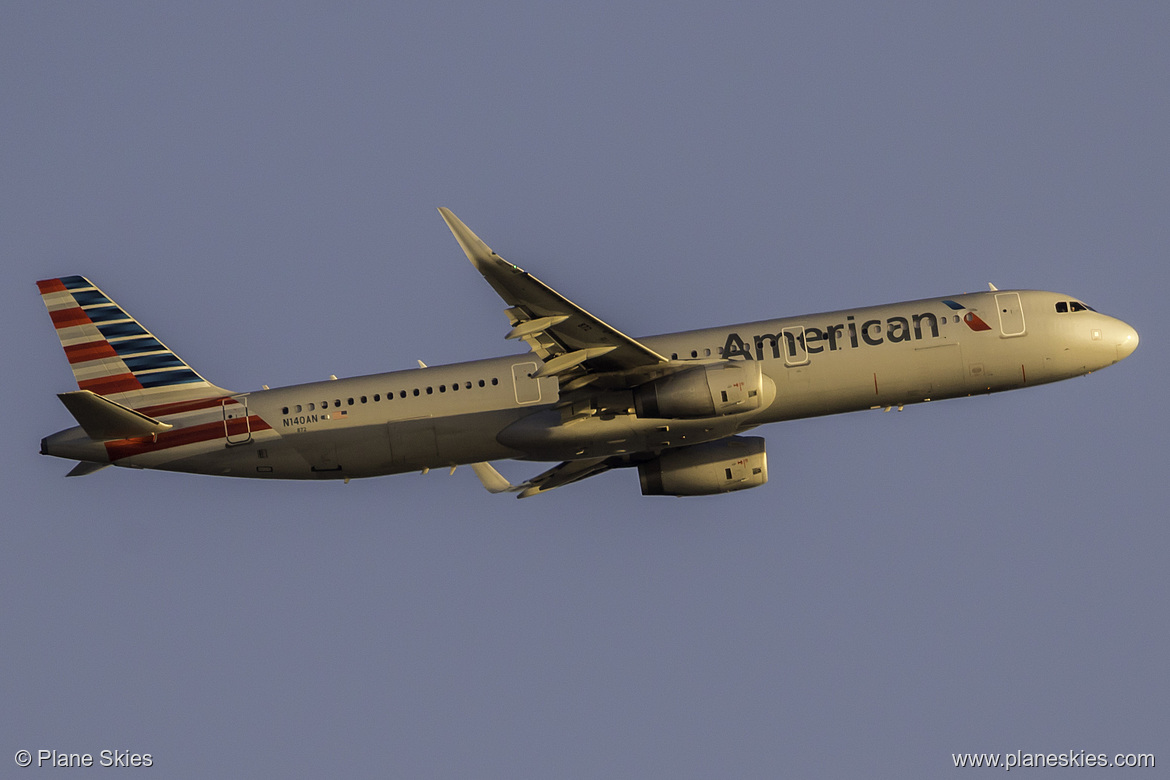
[{"x": 492, "y": 409}]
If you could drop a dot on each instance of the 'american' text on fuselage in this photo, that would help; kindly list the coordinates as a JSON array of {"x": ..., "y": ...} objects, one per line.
[{"x": 799, "y": 341}]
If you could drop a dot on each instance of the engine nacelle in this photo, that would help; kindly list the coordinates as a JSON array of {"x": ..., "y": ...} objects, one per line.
[
  {"x": 709, "y": 390},
  {"x": 736, "y": 463}
]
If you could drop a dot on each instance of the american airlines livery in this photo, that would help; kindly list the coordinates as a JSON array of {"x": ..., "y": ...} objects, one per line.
[{"x": 586, "y": 396}]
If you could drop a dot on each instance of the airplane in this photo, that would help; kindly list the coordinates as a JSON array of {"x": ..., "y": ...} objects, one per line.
[{"x": 586, "y": 395}]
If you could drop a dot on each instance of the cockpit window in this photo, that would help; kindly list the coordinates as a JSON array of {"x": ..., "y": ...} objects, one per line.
[
  {"x": 1062, "y": 307},
  {"x": 1078, "y": 306}
]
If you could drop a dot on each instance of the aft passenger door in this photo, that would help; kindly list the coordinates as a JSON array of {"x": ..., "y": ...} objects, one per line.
[{"x": 237, "y": 428}]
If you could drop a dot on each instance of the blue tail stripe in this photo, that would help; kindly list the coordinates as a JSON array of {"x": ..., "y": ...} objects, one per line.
[
  {"x": 149, "y": 362},
  {"x": 180, "y": 377},
  {"x": 90, "y": 298},
  {"x": 135, "y": 346},
  {"x": 106, "y": 314},
  {"x": 113, "y": 331}
]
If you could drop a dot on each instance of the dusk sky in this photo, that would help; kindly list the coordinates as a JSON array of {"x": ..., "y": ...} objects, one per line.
[{"x": 257, "y": 183}]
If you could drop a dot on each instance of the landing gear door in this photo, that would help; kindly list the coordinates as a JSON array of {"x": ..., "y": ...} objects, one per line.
[{"x": 237, "y": 428}]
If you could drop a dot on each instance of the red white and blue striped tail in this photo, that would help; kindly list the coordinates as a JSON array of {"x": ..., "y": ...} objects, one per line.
[{"x": 112, "y": 355}]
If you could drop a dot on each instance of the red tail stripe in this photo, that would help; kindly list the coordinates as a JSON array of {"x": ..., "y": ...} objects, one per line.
[
  {"x": 177, "y": 407},
  {"x": 195, "y": 434},
  {"x": 80, "y": 353},
  {"x": 108, "y": 385},
  {"x": 51, "y": 286},
  {"x": 67, "y": 318}
]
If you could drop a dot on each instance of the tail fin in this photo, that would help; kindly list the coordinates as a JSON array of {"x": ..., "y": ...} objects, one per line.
[{"x": 112, "y": 355}]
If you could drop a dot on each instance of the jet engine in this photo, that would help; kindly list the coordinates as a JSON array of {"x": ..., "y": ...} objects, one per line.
[
  {"x": 708, "y": 390},
  {"x": 735, "y": 463}
]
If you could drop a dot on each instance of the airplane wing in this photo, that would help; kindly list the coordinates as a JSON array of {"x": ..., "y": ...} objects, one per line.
[
  {"x": 562, "y": 474},
  {"x": 576, "y": 346}
]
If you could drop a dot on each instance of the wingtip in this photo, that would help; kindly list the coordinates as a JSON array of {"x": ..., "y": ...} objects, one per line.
[
  {"x": 491, "y": 479},
  {"x": 473, "y": 246}
]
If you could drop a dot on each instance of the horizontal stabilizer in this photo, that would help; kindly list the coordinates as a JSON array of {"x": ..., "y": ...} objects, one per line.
[
  {"x": 104, "y": 420},
  {"x": 85, "y": 467}
]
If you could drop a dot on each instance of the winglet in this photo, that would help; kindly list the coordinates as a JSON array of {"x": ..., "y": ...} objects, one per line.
[{"x": 473, "y": 246}]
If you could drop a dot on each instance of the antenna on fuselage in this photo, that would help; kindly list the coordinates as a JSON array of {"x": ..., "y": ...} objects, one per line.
[{"x": 992, "y": 287}]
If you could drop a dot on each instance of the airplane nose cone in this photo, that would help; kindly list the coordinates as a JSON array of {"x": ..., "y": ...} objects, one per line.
[{"x": 1127, "y": 342}]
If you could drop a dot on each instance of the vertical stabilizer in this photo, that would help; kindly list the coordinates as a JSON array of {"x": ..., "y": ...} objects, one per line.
[{"x": 112, "y": 355}]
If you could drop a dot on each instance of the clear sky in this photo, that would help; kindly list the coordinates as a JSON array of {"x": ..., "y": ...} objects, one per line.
[{"x": 257, "y": 183}]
